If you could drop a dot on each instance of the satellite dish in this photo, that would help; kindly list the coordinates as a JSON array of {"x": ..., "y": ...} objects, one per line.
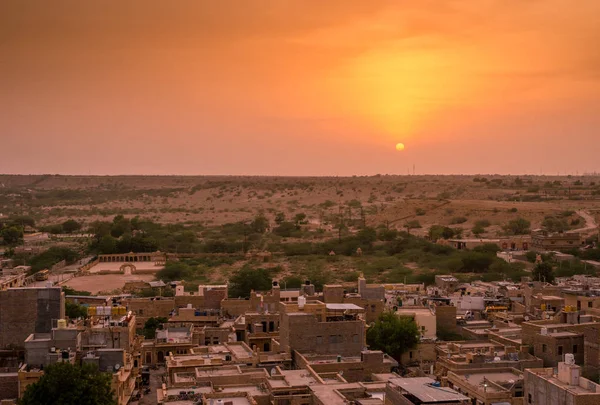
[{"x": 117, "y": 367}]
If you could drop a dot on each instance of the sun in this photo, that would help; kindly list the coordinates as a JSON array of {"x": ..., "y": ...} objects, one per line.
[{"x": 399, "y": 146}]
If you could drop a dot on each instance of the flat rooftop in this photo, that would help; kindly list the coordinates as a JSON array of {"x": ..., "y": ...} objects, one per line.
[{"x": 422, "y": 388}]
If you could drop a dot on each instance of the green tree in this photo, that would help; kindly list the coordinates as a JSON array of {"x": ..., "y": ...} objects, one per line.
[
  {"x": 543, "y": 272},
  {"x": 393, "y": 335},
  {"x": 260, "y": 224},
  {"x": 70, "y": 226},
  {"x": 247, "y": 279},
  {"x": 151, "y": 325},
  {"x": 519, "y": 226},
  {"x": 300, "y": 218},
  {"x": 367, "y": 235},
  {"x": 174, "y": 271},
  {"x": 279, "y": 218},
  {"x": 12, "y": 235},
  {"x": 66, "y": 384},
  {"x": 22, "y": 221},
  {"x": 74, "y": 311},
  {"x": 107, "y": 245}
]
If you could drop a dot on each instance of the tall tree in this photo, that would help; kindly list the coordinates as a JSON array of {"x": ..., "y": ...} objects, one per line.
[
  {"x": 393, "y": 335},
  {"x": 66, "y": 384},
  {"x": 543, "y": 272}
]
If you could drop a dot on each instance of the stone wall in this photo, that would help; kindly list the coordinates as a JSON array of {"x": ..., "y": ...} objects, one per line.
[{"x": 24, "y": 311}]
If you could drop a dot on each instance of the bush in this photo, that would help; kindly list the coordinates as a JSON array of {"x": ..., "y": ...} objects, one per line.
[
  {"x": 458, "y": 220},
  {"x": 519, "y": 226},
  {"x": 174, "y": 271}
]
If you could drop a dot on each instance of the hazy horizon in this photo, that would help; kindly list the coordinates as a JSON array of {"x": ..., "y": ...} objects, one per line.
[{"x": 286, "y": 88}]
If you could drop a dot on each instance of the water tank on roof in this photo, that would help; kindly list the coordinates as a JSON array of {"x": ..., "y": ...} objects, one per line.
[
  {"x": 62, "y": 324},
  {"x": 569, "y": 358},
  {"x": 301, "y": 301},
  {"x": 189, "y": 306},
  {"x": 544, "y": 331}
]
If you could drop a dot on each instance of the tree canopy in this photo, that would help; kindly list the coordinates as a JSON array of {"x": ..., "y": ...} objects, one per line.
[
  {"x": 393, "y": 335},
  {"x": 543, "y": 272},
  {"x": 248, "y": 279},
  {"x": 66, "y": 384}
]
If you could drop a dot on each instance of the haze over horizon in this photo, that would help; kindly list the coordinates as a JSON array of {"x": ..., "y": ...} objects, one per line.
[{"x": 288, "y": 88}]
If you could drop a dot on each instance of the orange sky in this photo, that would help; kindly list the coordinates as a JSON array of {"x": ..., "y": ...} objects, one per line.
[{"x": 299, "y": 87}]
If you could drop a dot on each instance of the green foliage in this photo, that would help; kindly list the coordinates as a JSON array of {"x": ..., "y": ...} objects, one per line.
[
  {"x": 420, "y": 211},
  {"x": 487, "y": 248},
  {"x": 441, "y": 232},
  {"x": 519, "y": 226},
  {"x": 151, "y": 325},
  {"x": 476, "y": 262},
  {"x": 483, "y": 223},
  {"x": 393, "y": 335},
  {"x": 279, "y": 218},
  {"x": 543, "y": 272},
  {"x": 287, "y": 230},
  {"x": 21, "y": 221},
  {"x": 50, "y": 257},
  {"x": 367, "y": 235},
  {"x": 66, "y": 384},
  {"x": 247, "y": 279},
  {"x": 70, "y": 226},
  {"x": 71, "y": 291},
  {"x": 555, "y": 224},
  {"x": 477, "y": 230},
  {"x": 107, "y": 245},
  {"x": 413, "y": 224},
  {"x": 387, "y": 234},
  {"x": 291, "y": 282},
  {"x": 174, "y": 271},
  {"x": 458, "y": 220},
  {"x": 74, "y": 311},
  {"x": 12, "y": 235},
  {"x": 260, "y": 224},
  {"x": 300, "y": 218}
]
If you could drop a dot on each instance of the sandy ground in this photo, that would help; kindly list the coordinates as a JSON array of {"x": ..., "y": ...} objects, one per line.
[{"x": 108, "y": 282}]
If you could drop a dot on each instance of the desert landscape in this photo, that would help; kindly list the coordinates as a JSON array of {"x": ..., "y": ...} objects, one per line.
[{"x": 307, "y": 220}]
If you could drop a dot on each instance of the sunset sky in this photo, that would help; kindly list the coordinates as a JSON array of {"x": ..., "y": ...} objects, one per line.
[{"x": 299, "y": 87}]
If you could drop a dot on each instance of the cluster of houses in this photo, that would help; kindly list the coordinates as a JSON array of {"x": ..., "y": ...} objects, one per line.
[{"x": 480, "y": 343}]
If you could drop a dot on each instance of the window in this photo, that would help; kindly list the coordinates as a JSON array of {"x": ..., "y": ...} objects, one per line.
[
  {"x": 574, "y": 349},
  {"x": 410, "y": 355},
  {"x": 560, "y": 350},
  {"x": 529, "y": 399},
  {"x": 271, "y": 326},
  {"x": 589, "y": 304},
  {"x": 141, "y": 312},
  {"x": 355, "y": 338},
  {"x": 319, "y": 340},
  {"x": 543, "y": 348}
]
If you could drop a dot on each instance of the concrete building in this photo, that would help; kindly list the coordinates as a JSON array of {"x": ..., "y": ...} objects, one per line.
[
  {"x": 488, "y": 386},
  {"x": 425, "y": 319},
  {"x": 543, "y": 240},
  {"x": 24, "y": 311},
  {"x": 545, "y": 387},
  {"x": 321, "y": 328}
]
